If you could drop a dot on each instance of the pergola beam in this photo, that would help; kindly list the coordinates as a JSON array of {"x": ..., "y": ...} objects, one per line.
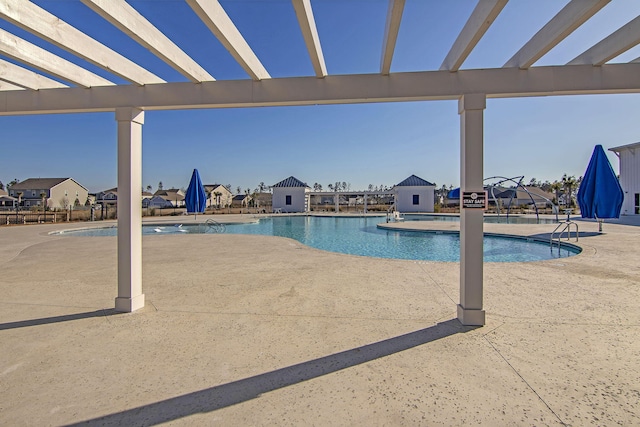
[
  {"x": 136, "y": 26},
  {"x": 43, "y": 60},
  {"x": 485, "y": 12},
  {"x": 618, "y": 42},
  {"x": 347, "y": 89},
  {"x": 18, "y": 76},
  {"x": 572, "y": 16},
  {"x": 217, "y": 20},
  {"x": 9, "y": 86},
  {"x": 391, "y": 29},
  {"x": 310, "y": 34},
  {"x": 38, "y": 21}
]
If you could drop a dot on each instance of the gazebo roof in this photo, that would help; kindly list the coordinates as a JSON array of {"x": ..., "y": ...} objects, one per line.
[
  {"x": 290, "y": 182},
  {"x": 415, "y": 181}
]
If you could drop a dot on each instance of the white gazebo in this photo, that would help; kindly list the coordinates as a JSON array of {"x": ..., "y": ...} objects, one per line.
[
  {"x": 414, "y": 194},
  {"x": 75, "y": 89},
  {"x": 290, "y": 195}
]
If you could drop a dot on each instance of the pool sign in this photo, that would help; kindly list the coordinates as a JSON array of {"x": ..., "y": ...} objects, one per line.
[{"x": 474, "y": 199}]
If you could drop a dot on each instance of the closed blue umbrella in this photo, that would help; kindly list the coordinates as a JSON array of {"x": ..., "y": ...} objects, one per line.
[
  {"x": 600, "y": 195},
  {"x": 196, "y": 197}
]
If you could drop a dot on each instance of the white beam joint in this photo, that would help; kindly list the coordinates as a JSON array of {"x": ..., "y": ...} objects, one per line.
[
  {"x": 392, "y": 27},
  {"x": 485, "y": 12},
  {"x": 572, "y": 16},
  {"x": 618, "y": 42},
  {"x": 307, "y": 23}
]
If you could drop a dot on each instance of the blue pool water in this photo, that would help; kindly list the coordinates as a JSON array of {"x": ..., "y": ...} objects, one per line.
[
  {"x": 493, "y": 219},
  {"x": 360, "y": 236}
]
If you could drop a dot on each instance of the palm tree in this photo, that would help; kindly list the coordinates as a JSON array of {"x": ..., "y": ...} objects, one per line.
[
  {"x": 556, "y": 186},
  {"x": 569, "y": 183}
]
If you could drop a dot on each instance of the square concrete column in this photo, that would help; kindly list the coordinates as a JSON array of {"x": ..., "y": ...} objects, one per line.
[
  {"x": 471, "y": 109},
  {"x": 130, "y": 296}
]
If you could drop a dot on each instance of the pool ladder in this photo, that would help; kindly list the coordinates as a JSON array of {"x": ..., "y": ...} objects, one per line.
[{"x": 560, "y": 230}]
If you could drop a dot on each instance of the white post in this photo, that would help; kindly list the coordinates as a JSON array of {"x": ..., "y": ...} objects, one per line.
[
  {"x": 365, "y": 204},
  {"x": 471, "y": 109},
  {"x": 130, "y": 296}
]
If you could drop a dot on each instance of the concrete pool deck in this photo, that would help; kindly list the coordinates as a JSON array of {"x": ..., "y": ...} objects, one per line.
[{"x": 256, "y": 330}]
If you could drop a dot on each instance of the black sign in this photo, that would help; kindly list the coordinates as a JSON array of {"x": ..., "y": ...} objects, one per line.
[{"x": 474, "y": 199}]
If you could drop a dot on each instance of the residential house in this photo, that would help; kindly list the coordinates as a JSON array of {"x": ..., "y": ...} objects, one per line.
[
  {"x": 6, "y": 200},
  {"x": 171, "y": 198},
  {"x": 57, "y": 193},
  {"x": 240, "y": 201},
  {"x": 290, "y": 195},
  {"x": 414, "y": 194},
  {"x": 629, "y": 157},
  {"x": 218, "y": 196}
]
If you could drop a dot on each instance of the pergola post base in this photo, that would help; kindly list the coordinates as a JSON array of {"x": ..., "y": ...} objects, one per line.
[
  {"x": 127, "y": 305},
  {"x": 471, "y": 317}
]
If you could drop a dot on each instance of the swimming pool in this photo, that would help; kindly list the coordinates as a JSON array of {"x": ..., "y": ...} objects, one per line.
[{"x": 360, "y": 236}]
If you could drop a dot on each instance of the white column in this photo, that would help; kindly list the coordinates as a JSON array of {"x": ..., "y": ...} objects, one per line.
[
  {"x": 365, "y": 203},
  {"x": 130, "y": 296},
  {"x": 336, "y": 200},
  {"x": 471, "y": 109}
]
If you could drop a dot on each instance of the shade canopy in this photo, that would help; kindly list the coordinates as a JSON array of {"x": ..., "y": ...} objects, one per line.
[
  {"x": 600, "y": 195},
  {"x": 454, "y": 194},
  {"x": 196, "y": 197}
]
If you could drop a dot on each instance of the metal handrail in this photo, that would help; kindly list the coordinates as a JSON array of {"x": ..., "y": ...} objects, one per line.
[
  {"x": 563, "y": 226},
  {"x": 214, "y": 226}
]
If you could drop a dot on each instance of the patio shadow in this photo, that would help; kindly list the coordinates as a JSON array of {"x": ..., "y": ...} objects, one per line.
[
  {"x": 57, "y": 319},
  {"x": 224, "y": 395}
]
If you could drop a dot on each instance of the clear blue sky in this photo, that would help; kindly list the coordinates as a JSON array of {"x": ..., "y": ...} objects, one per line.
[{"x": 360, "y": 144}]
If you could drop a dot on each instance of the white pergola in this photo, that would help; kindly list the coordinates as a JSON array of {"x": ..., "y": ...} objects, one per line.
[{"x": 37, "y": 81}]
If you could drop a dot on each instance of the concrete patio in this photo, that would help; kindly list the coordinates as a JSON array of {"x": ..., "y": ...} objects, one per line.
[{"x": 254, "y": 330}]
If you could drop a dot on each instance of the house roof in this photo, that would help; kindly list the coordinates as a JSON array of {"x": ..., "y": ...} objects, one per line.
[
  {"x": 291, "y": 182},
  {"x": 211, "y": 187},
  {"x": 414, "y": 181},
  {"x": 240, "y": 197},
  {"x": 41, "y": 183},
  {"x": 625, "y": 147}
]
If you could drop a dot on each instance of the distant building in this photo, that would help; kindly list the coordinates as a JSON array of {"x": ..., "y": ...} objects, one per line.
[
  {"x": 414, "y": 194},
  {"x": 58, "y": 193},
  {"x": 290, "y": 195},
  {"x": 171, "y": 198},
  {"x": 219, "y": 196},
  {"x": 240, "y": 201},
  {"x": 629, "y": 157}
]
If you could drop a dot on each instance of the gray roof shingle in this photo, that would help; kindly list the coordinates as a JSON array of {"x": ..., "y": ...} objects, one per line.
[
  {"x": 414, "y": 181},
  {"x": 291, "y": 182}
]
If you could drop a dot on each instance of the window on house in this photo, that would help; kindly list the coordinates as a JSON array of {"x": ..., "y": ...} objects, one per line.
[
  {"x": 416, "y": 199},
  {"x": 33, "y": 193},
  {"x": 287, "y": 200},
  {"x": 65, "y": 193},
  {"x": 637, "y": 206}
]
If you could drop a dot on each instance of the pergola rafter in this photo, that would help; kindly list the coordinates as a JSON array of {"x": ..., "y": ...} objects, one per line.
[
  {"x": 307, "y": 23},
  {"x": 618, "y": 42},
  {"x": 38, "y": 21},
  {"x": 136, "y": 26},
  {"x": 217, "y": 20},
  {"x": 41, "y": 59},
  {"x": 572, "y": 16}
]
